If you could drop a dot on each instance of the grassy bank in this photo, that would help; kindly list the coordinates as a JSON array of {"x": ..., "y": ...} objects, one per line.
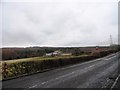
[{"x": 14, "y": 68}]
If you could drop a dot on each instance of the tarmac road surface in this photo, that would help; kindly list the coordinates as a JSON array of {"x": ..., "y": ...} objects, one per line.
[{"x": 90, "y": 74}]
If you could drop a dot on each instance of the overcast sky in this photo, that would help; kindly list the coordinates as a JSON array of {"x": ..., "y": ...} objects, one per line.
[{"x": 59, "y": 23}]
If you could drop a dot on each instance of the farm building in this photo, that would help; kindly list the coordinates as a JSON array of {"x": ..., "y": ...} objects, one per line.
[{"x": 55, "y": 53}]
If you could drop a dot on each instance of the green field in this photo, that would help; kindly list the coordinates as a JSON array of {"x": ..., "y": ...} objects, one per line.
[{"x": 40, "y": 59}]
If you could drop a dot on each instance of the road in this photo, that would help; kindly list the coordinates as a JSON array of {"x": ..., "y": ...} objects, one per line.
[{"x": 91, "y": 74}]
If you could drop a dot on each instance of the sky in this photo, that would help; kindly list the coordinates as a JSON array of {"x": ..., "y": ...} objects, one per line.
[{"x": 78, "y": 23}]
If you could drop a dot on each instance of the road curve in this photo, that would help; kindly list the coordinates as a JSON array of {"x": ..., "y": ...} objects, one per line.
[{"x": 91, "y": 74}]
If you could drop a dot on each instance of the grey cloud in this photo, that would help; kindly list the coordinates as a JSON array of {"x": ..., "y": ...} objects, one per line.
[{"x": 58, "y": 24}]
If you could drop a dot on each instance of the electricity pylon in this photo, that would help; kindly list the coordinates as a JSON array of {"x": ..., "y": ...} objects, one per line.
[{"x": 111, "y": 41}]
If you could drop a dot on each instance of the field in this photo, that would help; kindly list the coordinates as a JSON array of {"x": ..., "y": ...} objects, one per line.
[{"x": 40, "y": 59}]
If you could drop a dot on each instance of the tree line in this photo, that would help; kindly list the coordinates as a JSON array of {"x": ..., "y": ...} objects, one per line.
[{"x": 18, "y": 53}]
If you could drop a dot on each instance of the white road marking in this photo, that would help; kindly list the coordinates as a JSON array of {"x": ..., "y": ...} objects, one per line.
[
  {"x": 110, "y": 58},
  {"x": 91, "y": 66},
  {"x": 33, "y": 86},
  {"x": 107, "y": 59},
  {"x": 82, "y": 63},
  {"x": 89, "y": 61},
  {"x": 66, "y": 75},
  {"x": 115, "y": 82},
  {"x": 69, "y": 74},
  {"x": 44, "y": 82}
]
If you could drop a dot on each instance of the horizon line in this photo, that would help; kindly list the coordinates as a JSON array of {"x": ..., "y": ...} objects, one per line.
[{"x": 51, "y": 46}]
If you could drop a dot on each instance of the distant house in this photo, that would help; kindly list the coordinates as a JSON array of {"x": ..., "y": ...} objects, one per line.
[
  {"x": 48, "y": 54},
  {"x": 55, "y": 53}
]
